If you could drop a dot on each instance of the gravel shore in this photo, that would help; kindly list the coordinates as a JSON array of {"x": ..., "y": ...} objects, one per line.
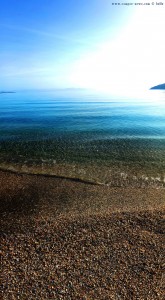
[{"x": 68, "y": 240}]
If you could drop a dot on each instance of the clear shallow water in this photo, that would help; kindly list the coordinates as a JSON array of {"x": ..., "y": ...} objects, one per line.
[{"x": 88, "y": 136}]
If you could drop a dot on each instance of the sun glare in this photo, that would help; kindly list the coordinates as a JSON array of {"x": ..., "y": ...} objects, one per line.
[{"x": 133, "y": 61}]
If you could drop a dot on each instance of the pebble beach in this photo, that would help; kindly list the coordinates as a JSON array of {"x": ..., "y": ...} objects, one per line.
[{"x": 62, "y": 239}]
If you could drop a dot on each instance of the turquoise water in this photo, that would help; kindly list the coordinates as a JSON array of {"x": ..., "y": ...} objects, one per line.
[{"x": 80, "y": 134}]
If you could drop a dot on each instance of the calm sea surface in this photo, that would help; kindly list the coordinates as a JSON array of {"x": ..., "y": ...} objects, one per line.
[{"x": 113, "y": 140}]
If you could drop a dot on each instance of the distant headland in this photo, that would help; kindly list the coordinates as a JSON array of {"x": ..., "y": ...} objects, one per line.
[{"x": 158, "y": 87}]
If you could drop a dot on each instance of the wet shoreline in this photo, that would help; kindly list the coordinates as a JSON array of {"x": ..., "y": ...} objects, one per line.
[{"x": 108, "y": 175}]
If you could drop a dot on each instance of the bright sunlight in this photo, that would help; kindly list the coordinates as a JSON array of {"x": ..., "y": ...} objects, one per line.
[{"x": 133, "y": 61}]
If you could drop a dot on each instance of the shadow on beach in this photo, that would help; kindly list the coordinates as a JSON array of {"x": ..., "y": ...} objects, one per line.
[{"x": 22, "y": 201}]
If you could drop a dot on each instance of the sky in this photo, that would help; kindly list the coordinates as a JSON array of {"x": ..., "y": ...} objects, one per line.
[{"x": 81, "y": 44}]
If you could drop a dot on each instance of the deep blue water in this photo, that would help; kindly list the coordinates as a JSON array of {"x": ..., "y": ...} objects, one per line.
[{"x": 76, "y": 128}]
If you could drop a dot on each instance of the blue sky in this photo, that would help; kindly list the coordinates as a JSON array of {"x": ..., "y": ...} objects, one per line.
[{"x": 80, "y": 43}]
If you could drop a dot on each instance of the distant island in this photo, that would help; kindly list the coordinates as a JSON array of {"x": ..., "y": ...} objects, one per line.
[
  {"x": 158, "y": 87},
  {"x": 6, "y": 92}
]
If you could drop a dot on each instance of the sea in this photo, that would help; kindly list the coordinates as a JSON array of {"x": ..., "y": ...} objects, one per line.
[{"x": 84, "y": 135}]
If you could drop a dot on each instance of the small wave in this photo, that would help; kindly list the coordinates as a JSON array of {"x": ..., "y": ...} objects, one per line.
[
  {"x": 95, "y": 175},
  {"x": 78, "y": 179}
]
